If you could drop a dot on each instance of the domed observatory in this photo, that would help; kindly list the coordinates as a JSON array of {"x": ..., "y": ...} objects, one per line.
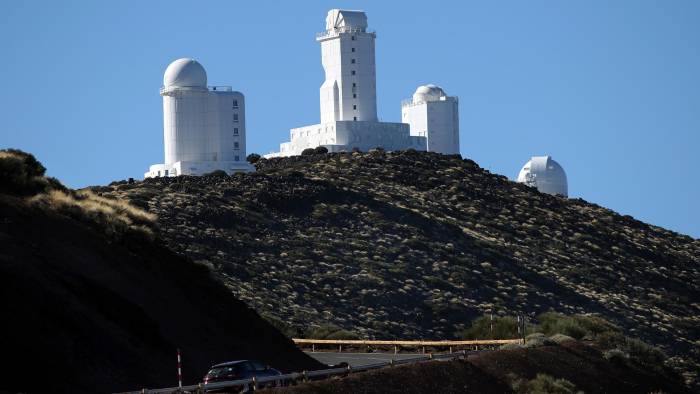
[
  {"x": 433, "y": 114},
  {"x": 203, "y": 126},
  {"x": 545, "y": 174}
]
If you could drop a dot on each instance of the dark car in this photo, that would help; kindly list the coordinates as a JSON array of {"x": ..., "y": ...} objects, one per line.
[{"x": 241, "y": 369}]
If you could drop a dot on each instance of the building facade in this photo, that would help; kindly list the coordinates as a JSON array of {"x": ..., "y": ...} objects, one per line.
[
  {"x": 203, "y": 126},
  {"x": 434, "y": 115},
  {"x": 348, "y": 98}
]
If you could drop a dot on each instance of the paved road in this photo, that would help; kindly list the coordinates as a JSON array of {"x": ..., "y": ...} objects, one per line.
[{"x": 358, "y": 359}]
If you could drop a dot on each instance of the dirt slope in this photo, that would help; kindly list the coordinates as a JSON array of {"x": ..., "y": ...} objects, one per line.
[{"x": 90, "y": 309}]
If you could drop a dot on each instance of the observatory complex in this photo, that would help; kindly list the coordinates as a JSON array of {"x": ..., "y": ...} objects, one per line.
[
  {"x": 545, "y": 174},
  {"x": 348, "y": 100},
  {"x": 203, "y": 126}
]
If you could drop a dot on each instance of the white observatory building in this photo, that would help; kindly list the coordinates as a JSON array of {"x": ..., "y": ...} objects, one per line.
[
  {"x": 434, "y": 115},
  {"x": 204, "y": 126},
  {"x": 348, "y": 96},
  {"x": 545, "y": 174}
]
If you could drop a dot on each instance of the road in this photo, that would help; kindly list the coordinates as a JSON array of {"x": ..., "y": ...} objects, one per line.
[{"x": 358, "y": 359}]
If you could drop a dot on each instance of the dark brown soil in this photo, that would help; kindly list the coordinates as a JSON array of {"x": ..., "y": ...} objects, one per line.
[{"x": 85, "y": 313}]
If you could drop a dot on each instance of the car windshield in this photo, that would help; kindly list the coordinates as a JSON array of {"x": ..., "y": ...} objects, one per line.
[{"x": 224, "y": 371}]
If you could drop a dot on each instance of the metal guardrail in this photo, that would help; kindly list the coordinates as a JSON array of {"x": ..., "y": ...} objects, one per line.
[
  {"x": 254, "y": 383},
  {"x": 405, "y": 343}
]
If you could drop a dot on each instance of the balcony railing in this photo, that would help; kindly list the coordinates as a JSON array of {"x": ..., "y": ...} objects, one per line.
[
  {"x": 220, "y": 88},
  {"x": 338, "y": 30}
]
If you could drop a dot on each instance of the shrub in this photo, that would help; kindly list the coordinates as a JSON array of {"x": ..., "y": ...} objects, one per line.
[
  {"x": 329, "y": 331},
  {"x": 308, "y": 152},
  {"x": 556, "y": 323},
  {"x": 503, "y": 328},
  {"x": 544, "y": 384},
  {"x": 644, "y": 354},
  {"x": 253, "y": 158},
  {"x": 320, "y": 150},
  {"x": 21, "y": 174},
  {"x": 615, "y": 356},
  {"x": 217, "y": 173},
  {"x": 538, "y": 339},
  {"x": 559, "y": 338}
]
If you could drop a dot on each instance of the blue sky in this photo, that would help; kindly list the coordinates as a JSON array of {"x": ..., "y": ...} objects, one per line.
[{"x": 610, "y": 89}]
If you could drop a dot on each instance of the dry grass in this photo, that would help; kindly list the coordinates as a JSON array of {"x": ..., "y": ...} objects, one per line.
[{"x": 115, "y": 216}]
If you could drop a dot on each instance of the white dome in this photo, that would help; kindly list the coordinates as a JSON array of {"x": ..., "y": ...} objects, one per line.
[
  {"x": 428, "y": 93},
  {"x": 185, "y": 72},
  {"x": 545, "y": 174}
]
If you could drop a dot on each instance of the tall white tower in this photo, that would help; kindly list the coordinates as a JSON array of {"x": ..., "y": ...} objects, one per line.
[
  {"x": 348, "y": 95},
  {"x": 347, "y": 55},
  {"x": 545, "y": 174},
  {"x": 434, "y": 115},
  {"x": 203, "y": 127}
]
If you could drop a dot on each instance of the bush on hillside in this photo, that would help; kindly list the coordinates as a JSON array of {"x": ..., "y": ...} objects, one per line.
[
  {"x": 503, "y": 328},
  {"x": 22, "y": 174},
  {"x": 253, "y": 158},
  {"x": 329, "y": 331},
  {"x": 320, "y": 150},
  {"x": 308, "y": 152},
  {"x": 575, "y": 326},
  {"x": 217, "y": 173},
  {"x": 544, "y": 384}
]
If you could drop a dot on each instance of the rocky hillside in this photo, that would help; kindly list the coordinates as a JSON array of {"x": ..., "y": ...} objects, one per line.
[
  {"x": 570, "y": 367},
  {"x": 411, "y": 245},
  {"x": 93, "y": 302}
]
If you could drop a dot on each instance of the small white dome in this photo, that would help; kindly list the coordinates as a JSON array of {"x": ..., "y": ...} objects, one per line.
[
  {"x": 428, "y": 93},
  {"x": 545, "y": 174},
  {"x": 185, "y": 72}
]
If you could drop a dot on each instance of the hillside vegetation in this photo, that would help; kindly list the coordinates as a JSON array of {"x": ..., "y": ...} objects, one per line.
[
  {"x": 567, "y": 368},
  {"x": 416, "y": 245},
  {"x": 93, "y": 302}
]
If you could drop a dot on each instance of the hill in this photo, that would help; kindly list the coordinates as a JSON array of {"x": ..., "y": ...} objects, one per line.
[
  {"x": 94, "y": 302},
  {"x": 570, "y": 367},
  {"x": 416, "y": 245}
]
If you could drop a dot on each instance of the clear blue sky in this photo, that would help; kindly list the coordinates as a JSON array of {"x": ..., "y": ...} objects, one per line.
[{"x": 610, "y": 89}]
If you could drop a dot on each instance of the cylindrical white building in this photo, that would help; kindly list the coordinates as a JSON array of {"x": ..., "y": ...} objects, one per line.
[
  {"x": 185, "y": 97},
  {"x": 433, "y": 114},
  {"x": 545, "y": 174},
  {"x": 203, "y": 127}
]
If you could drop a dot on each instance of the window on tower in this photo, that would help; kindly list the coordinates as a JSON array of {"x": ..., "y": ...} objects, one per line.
[
  {"x": 235, "y": 117},
  {"x": 352, "y": 38},
  {"x": 354, "y": 106},
  {"x": 236, "y": 145},
  {"x": 352, "y": 61},
  {"x": 235, "y": 131},
  {"x": 352, "y": 72},
  {"x": 353, "y": 50},
  {"x": 236, "y": 158},
  {"x": 235, "y": 103},
  {"x": 354, "y": 95},
  {"x": 354, "y": 118}
]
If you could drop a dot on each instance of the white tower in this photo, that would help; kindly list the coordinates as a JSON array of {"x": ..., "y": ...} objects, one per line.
[
  {"x": 347, "y": 55},
  {"x": 348, "y": 95},
  {"x": 545, "y": 174},
  {"x": 203, "y": 127},
  {"x": 434, "y": 115}
]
